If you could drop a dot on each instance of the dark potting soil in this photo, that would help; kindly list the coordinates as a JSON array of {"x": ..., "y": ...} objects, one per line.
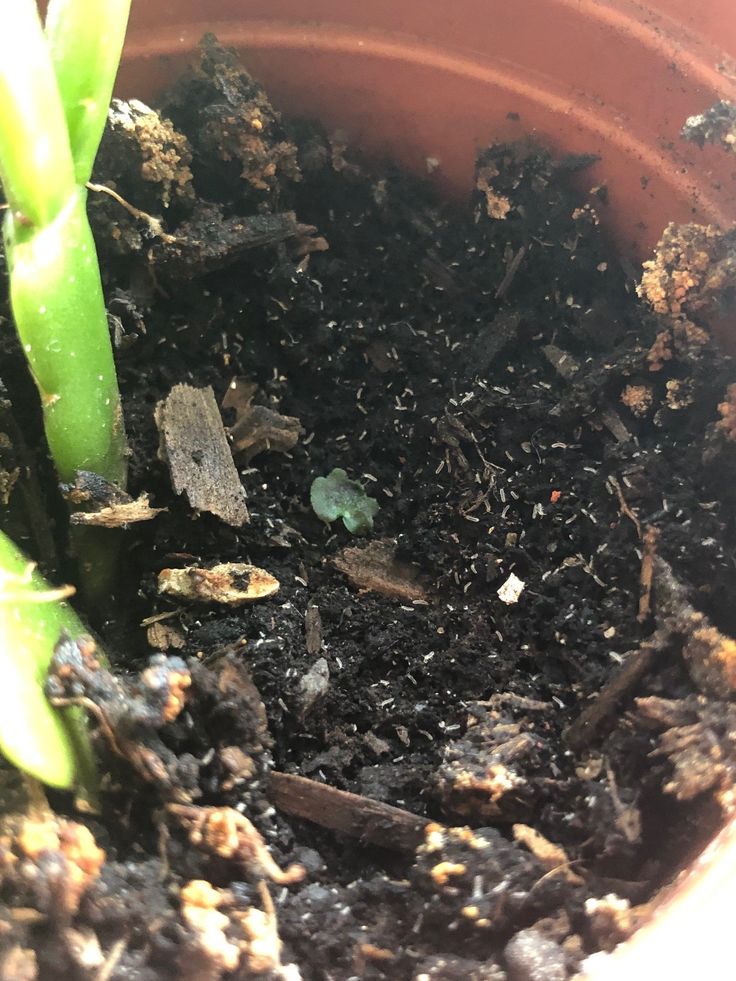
[{"x": 486, "y": 371}]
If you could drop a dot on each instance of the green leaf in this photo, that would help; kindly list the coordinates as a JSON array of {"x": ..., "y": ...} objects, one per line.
[
  {"x": 337, "y": 496},
  {"x": 86, "y": 41},
  {"x": 34, "y": 736},
  {"x": 35, "y": 159}
]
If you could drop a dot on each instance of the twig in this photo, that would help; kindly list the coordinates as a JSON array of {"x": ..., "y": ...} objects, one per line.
[
  {"x": 647, "y": 572},
  {"x": 614, "y": 424},
  {"x": 580, "y": 732},
  {"x": 625, "y": 509},
  {"x": 511, "y": 271},
  {"x": 360, "y": 817},
  {"x": 153, "y": 223}
]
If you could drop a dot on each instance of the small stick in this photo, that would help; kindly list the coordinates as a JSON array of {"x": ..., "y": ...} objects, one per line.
[
  {"x": 625, "y": 509},
  {"x": 511, "y": 271},
  {"x": 580, "y": 732},
  {"x": 647, "y": 572},
  {"x": 153, "y": 223},
  {"x": 360, "y": 817}
]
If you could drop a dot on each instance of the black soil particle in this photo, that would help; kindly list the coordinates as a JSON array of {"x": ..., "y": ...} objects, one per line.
[{"x": 483, "y": 371}]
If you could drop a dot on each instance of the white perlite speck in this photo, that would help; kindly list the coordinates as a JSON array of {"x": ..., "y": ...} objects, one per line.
[{"x": 511, "y": 589}]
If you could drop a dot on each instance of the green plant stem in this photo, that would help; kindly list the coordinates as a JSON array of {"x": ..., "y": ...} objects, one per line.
[
  {"x": 59, "y": 312},
  {"x": 86, "y": 39},
  {"x": 49, "y": 745},
  {"x": 55, "y": 286}
]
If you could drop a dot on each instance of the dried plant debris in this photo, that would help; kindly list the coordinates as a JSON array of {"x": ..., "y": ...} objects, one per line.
[
  {"x": 164, "y": 635},
  {"x": 351, "y": 814},
  {"x": 698, "y": 737},
  {"x": 691, "y": 276},
  {"x": 715, "y": 125},
  {"x": 257, "y": 428},
  {"x": 375, "y": 567},
  {"x": 497, "y": 205},
  {"x": 709, "y": 655},
  {"x": 230, "y": 583},
  {"x": 118, "y": 515},
  {"x": 232, "y": 124},
  {"x": 484, "y": 775},
  {"x": 552, "y": 856},
  {"x": 209, "y": 240},
  {"x": 95, "y": 501},
  {"x": 195, "y": 448},
  {"x": 312, "y": 630},
  {"x": 227, "y": 833}
]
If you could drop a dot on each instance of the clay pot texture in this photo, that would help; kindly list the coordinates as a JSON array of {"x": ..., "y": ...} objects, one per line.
[{"x": 420, "y": 80}]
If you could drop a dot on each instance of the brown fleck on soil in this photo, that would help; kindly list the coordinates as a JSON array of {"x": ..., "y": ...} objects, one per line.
[{"x": 489, "y": 378}]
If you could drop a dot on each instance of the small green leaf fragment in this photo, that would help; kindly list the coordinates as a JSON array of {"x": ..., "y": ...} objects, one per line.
[{"x": 337, "y": 496}]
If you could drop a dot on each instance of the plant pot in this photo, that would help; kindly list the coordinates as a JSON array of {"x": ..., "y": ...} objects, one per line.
[
  {"x": 415, "y": 81},
  {"x": 429, "y": 85}
]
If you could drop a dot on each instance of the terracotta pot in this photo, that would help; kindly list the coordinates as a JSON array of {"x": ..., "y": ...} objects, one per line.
[{"x": 418, "y": 79}]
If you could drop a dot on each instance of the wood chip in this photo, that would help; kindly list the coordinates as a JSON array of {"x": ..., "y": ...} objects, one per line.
[
  {"x": 649, "y": 541},
  {"x": 370, "y": 820},
  {"x": 375, "y": 568},
  {"x": 492, "y": 338},
  {"x": 258, "y": 428},
  {"x": 512, "y": 267},
  {"x": 96, "y": 501},
  {"x": 552, "y": 856},
  {"x": 117, "y": 515},
  {"x": 166, "y": 636},
  {"x": 232, "y": 583},
  {"x": 195, "y": 448},
  {"x": 209, "y": 240},
  {"x": 313, "y": 630}
]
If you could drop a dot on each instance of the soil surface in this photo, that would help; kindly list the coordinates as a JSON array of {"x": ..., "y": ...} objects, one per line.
[{"x": 551, "y": 455}]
